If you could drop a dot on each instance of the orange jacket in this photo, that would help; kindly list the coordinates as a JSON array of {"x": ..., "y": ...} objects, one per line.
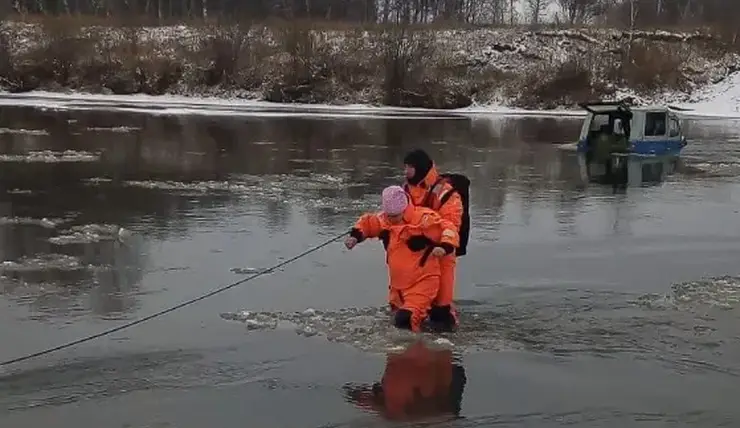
[
  {"x": 452, "y": 210},
  {"x": 409, "y": 243},
  {"x": 417, "y": 384}
]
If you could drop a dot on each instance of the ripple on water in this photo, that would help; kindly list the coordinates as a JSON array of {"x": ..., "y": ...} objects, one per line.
[
  {"x": 47, "y": 223},
  {"x": 553, "y": 320},
  {"x": 119, "y": 129},
  {"x": 41, "y": 263},
  {"x": 121, "y": 374},
  {"x": 97, "y": 180},
  {"x": 721, "y": 292},
  {"x": 592, "y": 416},
  {"x": 48, "y": 156},
  {"x": 89, "y": 233},
  {"x": 714, "y": 170},
  {"x": 250, "y": 270},
  {"x": 198, "y": 186},
  {"x": 326, "y": 190},
  {"x": 23, "y": 131},
  {"x": 52, "y": 268}
]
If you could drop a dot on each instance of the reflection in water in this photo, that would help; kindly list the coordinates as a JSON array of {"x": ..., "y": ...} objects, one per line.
[
  {"x": 327, "y": 169},
  {"x": 622, "y": 170},
  {"x": 419, "y": 383}
]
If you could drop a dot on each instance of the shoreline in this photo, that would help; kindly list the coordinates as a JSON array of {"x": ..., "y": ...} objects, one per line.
[
  {"x": 185, "y": 104},
  {"x": 222, "y": 106}
]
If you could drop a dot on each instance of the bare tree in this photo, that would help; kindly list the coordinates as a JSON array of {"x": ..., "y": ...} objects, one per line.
[
  {"x": 721, "y": 15},
  {"x": 634, "y": 10},
  {"x": 579, "y": 11},
  {"x": 536, "y": 9}
]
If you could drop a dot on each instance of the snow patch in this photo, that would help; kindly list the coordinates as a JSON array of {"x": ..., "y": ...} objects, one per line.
[{"x": 721, "y": 98}]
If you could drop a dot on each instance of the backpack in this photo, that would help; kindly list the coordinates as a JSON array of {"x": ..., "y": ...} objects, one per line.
[{"x": 461, "y": 185}]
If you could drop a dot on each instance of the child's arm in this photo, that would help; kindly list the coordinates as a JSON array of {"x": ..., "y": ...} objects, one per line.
[{"x": 367, "y": 226}]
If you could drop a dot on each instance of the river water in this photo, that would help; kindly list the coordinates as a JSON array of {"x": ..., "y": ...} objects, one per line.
[{"x": 581, "y": 305}]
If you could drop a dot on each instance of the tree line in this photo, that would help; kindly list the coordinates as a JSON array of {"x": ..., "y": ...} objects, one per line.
[{"x": 631, "y": 13}]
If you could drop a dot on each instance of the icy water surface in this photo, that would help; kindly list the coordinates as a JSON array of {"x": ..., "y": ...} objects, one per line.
[{"x": 581, "y": 306}]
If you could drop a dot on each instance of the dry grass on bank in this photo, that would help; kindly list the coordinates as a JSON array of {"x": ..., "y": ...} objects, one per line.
[{"x": 314, "y": 63}]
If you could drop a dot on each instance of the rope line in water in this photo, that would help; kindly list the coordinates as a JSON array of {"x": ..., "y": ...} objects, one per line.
[{"x": 173, "y": 308}]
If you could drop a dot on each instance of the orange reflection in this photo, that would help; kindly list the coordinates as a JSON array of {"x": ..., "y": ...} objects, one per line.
[{"x": 418, "y": 383}]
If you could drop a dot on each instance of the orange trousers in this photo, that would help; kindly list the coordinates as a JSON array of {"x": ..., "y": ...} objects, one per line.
[
  {"x": 447, "y": 281},
  {"x": 417, "y": 299}
]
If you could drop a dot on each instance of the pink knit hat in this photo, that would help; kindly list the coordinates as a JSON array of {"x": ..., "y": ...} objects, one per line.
[{"x": 394, "y": 200}]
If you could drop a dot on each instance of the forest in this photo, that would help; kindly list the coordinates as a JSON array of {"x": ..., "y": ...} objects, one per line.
[
  {"x": 423, "y": 53},
  {"x": 717, "y": 13}
]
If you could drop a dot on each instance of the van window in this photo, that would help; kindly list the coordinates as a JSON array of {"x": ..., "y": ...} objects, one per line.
[
  {"x": 618, "y": 127},
  {"x": 673, "y": 127},
  {"x": 655, "y": 124},
  {"x": 598, "y": 121}
]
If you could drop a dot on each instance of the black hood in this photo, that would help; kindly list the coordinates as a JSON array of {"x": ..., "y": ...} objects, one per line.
[{"x": 421, "y": 162}]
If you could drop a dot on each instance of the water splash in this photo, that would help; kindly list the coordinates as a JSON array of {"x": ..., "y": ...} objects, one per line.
[
  {"x": 552, "y": 320},
  {"x": 368, "y": 329}
]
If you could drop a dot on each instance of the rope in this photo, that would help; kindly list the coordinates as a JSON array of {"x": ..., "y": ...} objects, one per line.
[{"x": 173, "y": 308}]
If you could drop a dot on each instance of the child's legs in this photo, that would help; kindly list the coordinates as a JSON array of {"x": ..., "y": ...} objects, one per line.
[{"x": 415, "y": 303}]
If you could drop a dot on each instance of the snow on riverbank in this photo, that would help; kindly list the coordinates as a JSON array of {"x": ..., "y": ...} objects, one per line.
[
  {"x": 720, "y": 101},
  {"x": 460, "y": 71},
  {"x": 183, "y": 105},
  {"x": 722, "y": 98}
]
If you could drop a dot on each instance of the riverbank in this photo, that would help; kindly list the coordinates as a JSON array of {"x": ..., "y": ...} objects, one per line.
[
  {"x": 413, "y": 68},
  {"x": 714, "y": 101}
]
